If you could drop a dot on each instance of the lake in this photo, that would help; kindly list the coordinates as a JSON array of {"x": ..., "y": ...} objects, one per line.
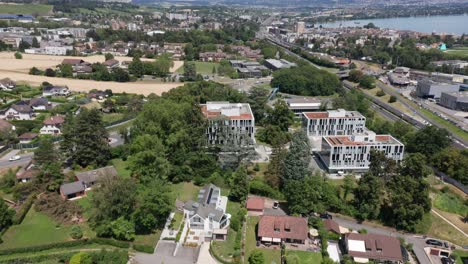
[{"x": 457, "y": 24}]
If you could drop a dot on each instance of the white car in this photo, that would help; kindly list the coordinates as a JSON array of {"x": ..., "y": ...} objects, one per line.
[{"x": 14, "y": 158}]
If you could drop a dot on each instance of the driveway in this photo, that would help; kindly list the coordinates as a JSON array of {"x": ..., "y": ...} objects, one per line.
[{"x": 163, "y": 254}]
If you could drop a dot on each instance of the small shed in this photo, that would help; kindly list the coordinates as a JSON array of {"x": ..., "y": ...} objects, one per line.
[{"x": 255, "y": 205}]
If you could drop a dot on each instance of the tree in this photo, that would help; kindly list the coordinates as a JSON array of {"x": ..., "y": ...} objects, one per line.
[
  {"x": 85, "y": 139},
  {"x": 18, "y": 55},
  {"x": 23, "y": 45},
  {"x": 35, "y": 71},
  {"x": 355, "y": 75},
  {"x": 280, "y": 115},
  {"x": 81, "y": 258},
  {"x": 163, "y": 65},
  {"x": 154, "y": 207},
  {"x": 45, "y": 152},
  {"x": 35, "y": 43},
  {"x": 348, "y": 185},
  {"x": 123, "y": 229},
  {"x": 76, "y": 232},
  {"x": 49, "y": 72},
  {"x": 414, "y": 164},
  {"x": 273, "y": 135},
  {"x": 453, "y": 162},
  {"x": 190, "y": 71},
  {"x": 256, "y": 257},
  {"x": 239, "y": 185},
  {"x": 213, "y": 71},
  {"x": 66, "y": 70},
  {"x": 296, "y": 163},
  {"x": 108, "y": 56},
  {"x": 430, "y": 140},
  {"x": 6, "y": 215},
  {"x": 120, "y": 75},
  {"x": 275, "y": 167},
  {"x": 367, "y": 81},
  {"x": 392, "y": 99},
  {"x": 136, "y": 67},
  {"x": 368, "y": 197}
]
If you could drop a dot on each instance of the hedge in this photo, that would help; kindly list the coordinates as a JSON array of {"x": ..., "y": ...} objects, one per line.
[
  {"x": 58, "y": 257},
  {"x": 19, "y": 216},
  {"x": 143, "y": 248},
  {"x": 67, "y": 244}
]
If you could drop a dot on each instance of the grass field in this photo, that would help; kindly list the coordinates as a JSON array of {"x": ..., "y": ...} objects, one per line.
[
  {"x": 113, "y": 117},
  {"x": 202, "y": 67},
  {"x": 26, "y": 9},
  {"x": 149, "y": 240},
  {"x": 225, "y": 249},
  {"x": 39, "y": 229},
  {"x": 442, "y": 230},
  {"x": 304, "y": 257},
  {"x": 460, "y": 256},
  {"x": 461, "y": 51},
  {"x": 185, "y": 191},
  {"x": 121, "y": 167},
  {"x": 398, "y": 105},
  {"x": 451, "y": 203}
]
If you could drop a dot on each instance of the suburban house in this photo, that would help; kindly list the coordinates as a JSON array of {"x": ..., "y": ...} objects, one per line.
[
  {"x": 27, "y": 138},
  {"x": 5, "y": 126},
  {"x": 333, "y": 122},
  {"x": 255, "y": 205},
  {"x": 40, "y": 104},
  {"x": 18, "y": 112},
  {"x": 229, "y": 123},
  {"x": 207, "y": 216},
  {"x": 366, "y": 247},
  {"x": 72, "y": 190},
  {"x": 27, "y": 173},
  {"x": 72, "y": 62},
  {"x": 111, "y": 64},
  {"x": 84, "y": 181},
  {"x": 7, "y": 84},
  {"x": 352, "y": 153},
  {"x": 212, "y": 56},
  {"x": 55, "y": 91},
  {"x": 89, "y": 178},
  {"x": 288, "y": 229},
  {"x": 52, "y": 125}
]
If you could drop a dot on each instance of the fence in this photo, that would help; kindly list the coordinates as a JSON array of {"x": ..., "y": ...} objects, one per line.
[{"x": 445, "y": 178}]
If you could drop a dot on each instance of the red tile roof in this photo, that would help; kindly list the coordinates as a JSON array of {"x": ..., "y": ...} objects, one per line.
[
  {"x": 377, "y": 247},
  {"x": 72, "y": 61},
  {"x": 298, "y": 228},
  {"x": 54, "y": 120},
  {"x": 331, "y": 225},
  {"x": 316, "y": 115},
  {"x": 255, "y": 203},
  {"x": 28, "y": 135}
]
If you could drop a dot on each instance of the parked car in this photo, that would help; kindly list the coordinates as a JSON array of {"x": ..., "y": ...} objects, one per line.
[
  {"x": 434, "y": 242},
  {"x": 446, "y": 244},
  {"x": 14, "y": 158},
  {"x": 326, "y": 216},
  {"x": 446, "y": 260}
]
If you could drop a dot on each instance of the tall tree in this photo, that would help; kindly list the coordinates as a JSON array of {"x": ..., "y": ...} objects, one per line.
[
  {"x": 280, "y": 115},
  {"x": 190, "y": 71},
  {"x": 239, "y": 184},
  {"x": 429, "y": 141},
  {"x": 108, "y": 56},
  {"x": 136, "y": 67},
  {"x": 256, "y": 257},
  {"x": 368, "y": 196},
  {"x": 296, "y": 163},
  {"x": 275, "y": 167},
  {"x": 6, "y": 215},
  {"x": 45, "y": 153}
]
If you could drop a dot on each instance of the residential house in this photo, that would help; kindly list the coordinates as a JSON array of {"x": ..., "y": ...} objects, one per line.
[
  {"x": 5, "y": 126},
  {"x": 89, "y": 178},
  {"x": 52, "y": 125},
  {"x": 111, "y": 64},
  {"x": 255, "y": 205},
  {"x": 27, "y": 137},
  {"x": 18, "y": 112},
  {"x": 334, "y": 227},
  {"x": 72, "y": 190},
  {"x": 282, "y": 229},
  {"x": 372, "y": 247},
  {"x": 229, "y": 123},
  {"x": 7, "y": 84},
  {"x": 40, "y": 104},
  {"x": 212, "y": 56},
  {"x": 207, "y": 217},
  {"x": 27, "y": 173},
  {"x": 55, "y": 91},
  {"x": 72, "y": 62}
]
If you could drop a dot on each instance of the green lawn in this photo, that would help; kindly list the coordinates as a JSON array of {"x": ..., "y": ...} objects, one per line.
[
  {"x": 460, "y": 254},
  {"x": 85, "y": 203},
  {"x": 461, "y": 51},
  {"x": 202, "y": 67},
  {"x": 112, "y": 117},
  {"x": 451, "y": 203},
  {"x": 225, "y": 249},
  {"x": 271, "y": 255},
  {"x": 177, "y": 220},
  {"x": 38, "y": 229},
  {"x": 449, "y": 126},
  {"x": 305, "y": 257},
  {"x": 185, "y": 191},
  {"x": 121, "y": 167},
  {"x": 26, "y": 9},
  {"x": 148, "y": 240}
]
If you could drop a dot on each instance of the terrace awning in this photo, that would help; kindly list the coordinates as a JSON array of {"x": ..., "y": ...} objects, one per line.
[
  {"x": 266, "y": 239},
  {"x": 277, "y": 240}
]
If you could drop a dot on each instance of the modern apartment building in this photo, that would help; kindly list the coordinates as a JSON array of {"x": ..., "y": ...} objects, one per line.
[
  {"x": 229, "y": 123},
  {"x": 352, "y": 152},
  {"x": 333, "y": 122}
]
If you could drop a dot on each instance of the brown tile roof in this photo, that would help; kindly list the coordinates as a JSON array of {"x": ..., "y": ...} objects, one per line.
[
  {"x": 54, "y": 120},
  {"x": 27, "y": 174},
  {"x": 4, "y": 125},
  {"x": 377, "y": 247},
  {"x": 331, "y": 225},
  {"x": 110, "y": 62},
  {"x": 72, "y": 61},
  {"x": 28, "y": 135},
  {"x": 297, "y": 227},
  {"x": 255, "y": 203}
]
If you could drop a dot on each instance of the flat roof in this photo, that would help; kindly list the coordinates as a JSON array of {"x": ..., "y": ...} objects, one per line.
[
  {"x": 354, "y": 141},
  {"x": 233, "y": 111},
  {"x": 340, "y": 113}
]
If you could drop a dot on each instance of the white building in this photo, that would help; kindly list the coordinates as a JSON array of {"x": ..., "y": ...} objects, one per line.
[
  {"x": 229, "y": 123},
  {"x": 18, "y": 112},
  {"x": 57, "y": 50},
  {"x": 207, "y": 217},
  {"x": 301, "y": 105},
  {"x": 52, "y": 125},
  {"x": 333, "y": 122},
  {"x": 55, "y": 91},
  {"x": 352, "y": 152}
]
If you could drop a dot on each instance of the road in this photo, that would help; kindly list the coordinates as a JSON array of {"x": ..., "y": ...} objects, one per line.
[
  {"x": 25, "y": 159},
  {"x": 419, "y": 243}
]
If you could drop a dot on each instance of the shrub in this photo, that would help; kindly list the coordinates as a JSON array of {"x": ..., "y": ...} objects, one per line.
[
  {"x": 18, "y": 218},
  {"x": 259, "y": 187},
  {"x": 380, "y": 93},
  {"x": 144, "y": 248},
  {"x": 110, "y": 242},
  {"x": 363, "y": 231},
  {"x": 367, "y": 81},
  {"x": 392, "y": 99},
  {"x": 76, "y": 232},
  {"x": 18, "y": 55},
  {"x": 32, "y": 249}
]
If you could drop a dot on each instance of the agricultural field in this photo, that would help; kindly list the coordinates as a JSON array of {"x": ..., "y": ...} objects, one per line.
[
  {"x": 461, "y": 51},
  {"x": 29, "y": 9}
]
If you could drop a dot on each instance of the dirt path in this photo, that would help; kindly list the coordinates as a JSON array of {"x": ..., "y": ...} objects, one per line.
[{"x": 450, "y": 223}]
